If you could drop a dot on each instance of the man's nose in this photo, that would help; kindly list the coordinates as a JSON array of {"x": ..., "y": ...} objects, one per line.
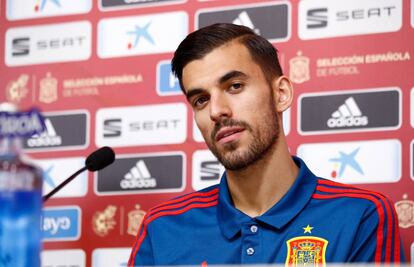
[{"x": 219, "y": 108}]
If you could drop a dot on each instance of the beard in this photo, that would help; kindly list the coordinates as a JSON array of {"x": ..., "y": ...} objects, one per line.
[{"x": 264, "y": 138}]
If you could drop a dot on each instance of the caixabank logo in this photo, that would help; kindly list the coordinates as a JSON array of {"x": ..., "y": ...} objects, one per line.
[
  {"x": 64, "y": 42},
  {"x": 27, "y": 9},
  {"x": 134, "y": 174},
  {"x": 355, "y": 162},
  {"x": 350, "y": 111},
  {"x": 65, "y": 130},
  {"x": 56, "y": 170},
  {"x": 105, "y": 5},
  {"x": 272, "y": 20},
  {"x": 141, "y": 125},
  {"x": 141, "y": 35},
  {"x": 326, "y": 18}
]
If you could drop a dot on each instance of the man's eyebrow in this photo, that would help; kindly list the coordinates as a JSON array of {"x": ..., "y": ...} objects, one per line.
[
  {"x": 231, "y": 75},
  {"x": 228, "y": 76}
]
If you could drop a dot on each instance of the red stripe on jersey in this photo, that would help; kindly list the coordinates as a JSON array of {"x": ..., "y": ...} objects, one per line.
[
  {"x": 379, "y": 210},
  {"x": 183, "y": 198},
  {"x": 396, "y": 237},
  {"x": 181, "y": 204},
  {"x": 139, "y": 233},
  {"x": 144, "y": 225},
  {"x": 390, "y": 211}
]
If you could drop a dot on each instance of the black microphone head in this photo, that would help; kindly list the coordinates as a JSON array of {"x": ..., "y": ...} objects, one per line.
[{"x": 100, "y": 158}]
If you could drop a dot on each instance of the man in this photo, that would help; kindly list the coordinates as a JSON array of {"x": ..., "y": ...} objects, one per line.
[{"x": 268, "y": 207}]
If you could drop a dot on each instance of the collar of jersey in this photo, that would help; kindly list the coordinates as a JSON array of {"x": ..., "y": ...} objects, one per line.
[{"x": 231, "y": 219}]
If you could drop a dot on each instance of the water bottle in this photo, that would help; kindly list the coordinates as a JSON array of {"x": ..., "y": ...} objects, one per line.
[{"x": 20, "y": 190}]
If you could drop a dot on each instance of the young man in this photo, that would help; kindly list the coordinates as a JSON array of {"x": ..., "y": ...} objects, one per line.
[{"x": 268, "y": 207}]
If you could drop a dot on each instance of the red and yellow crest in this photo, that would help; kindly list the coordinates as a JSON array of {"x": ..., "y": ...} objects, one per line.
[{"x": 306, "y": 251}]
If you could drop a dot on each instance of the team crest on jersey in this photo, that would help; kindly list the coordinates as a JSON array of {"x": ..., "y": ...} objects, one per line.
[{"x": 306, "y": 251}]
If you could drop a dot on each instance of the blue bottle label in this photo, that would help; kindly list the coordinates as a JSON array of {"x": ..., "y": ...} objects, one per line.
[{"x": 21, "y": 124}]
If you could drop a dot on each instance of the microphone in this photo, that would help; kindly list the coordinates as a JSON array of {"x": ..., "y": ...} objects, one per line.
[{"x": 96, "y": 161}]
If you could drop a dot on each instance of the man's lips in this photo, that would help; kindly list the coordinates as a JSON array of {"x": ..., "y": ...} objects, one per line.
[{"x": 226, "y": 134}]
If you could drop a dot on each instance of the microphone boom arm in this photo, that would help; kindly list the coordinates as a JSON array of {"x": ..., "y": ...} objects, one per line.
[{"x": 62, "y": 184}]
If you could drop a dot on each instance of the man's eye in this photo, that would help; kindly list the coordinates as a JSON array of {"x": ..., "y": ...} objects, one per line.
[
  {"x": 200, "y": 101},
  {"x": 236, "y": 86}
]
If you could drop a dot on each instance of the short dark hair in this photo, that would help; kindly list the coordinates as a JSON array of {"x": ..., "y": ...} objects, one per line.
[{"x": 201, "y": 42}]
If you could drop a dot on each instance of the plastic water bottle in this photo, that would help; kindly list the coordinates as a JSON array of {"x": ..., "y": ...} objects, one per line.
[{"x": 20, "y": 190}]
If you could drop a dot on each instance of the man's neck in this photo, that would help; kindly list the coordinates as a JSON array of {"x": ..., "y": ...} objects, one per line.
[{"x": 256, "y": 189}]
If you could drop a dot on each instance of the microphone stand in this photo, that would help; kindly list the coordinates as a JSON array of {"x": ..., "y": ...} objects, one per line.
[{"x": 62, "y": 184}]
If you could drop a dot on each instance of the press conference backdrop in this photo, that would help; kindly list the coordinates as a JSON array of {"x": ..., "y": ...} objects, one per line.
[{"x": 100, "y": 71}]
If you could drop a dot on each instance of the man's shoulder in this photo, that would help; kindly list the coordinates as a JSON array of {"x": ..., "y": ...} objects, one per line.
[
  {"x": 332, "y": 191},
  {"x": 205, "y": 198}
]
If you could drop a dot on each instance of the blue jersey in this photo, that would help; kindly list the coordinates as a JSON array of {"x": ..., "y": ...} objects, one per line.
[{"x": 317, "y": 221}]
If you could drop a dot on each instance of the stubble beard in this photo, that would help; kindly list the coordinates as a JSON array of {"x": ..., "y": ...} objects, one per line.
[{"x": 263, "y": 139}]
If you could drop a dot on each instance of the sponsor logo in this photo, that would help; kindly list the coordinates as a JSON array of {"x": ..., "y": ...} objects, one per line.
[
  {"x": 138, "y": 177},
  {"x": 139, "y": 35},
  {"x": 355, "y": 162},
  {"x": 56, "y": 170},
  {"x": 110, "y": 257},
  {"x": 64, "y": 130},
  {"x": 48, "y": 89},
  {"x": 63, "y": 258},
  {"x": 405, "y": 211},
  {"x": 299, "y": 68},
  {"x": 135, "y": 218},
  {"x": 23, "y": 9},
  {"x": 104, "y": 221},
  {"x": 348, "y": 114},
  {"x": 167, "y": 83},
  {"x": 17, "y": 90},
  {"x": 113, "y": 4},
  {"x": 61, "y": 224},
  {"x": 323, "y": 18},
  {"x": 350, "y": 111},
  {"x": 48, "y": 44},
  {"x": 20, "y": 46},
  {"x": 142, "y": 174},
  {"x": 253, "y": 16},
  {"x": 207, "y": 170},
  {"x": 141, "y": 125}
]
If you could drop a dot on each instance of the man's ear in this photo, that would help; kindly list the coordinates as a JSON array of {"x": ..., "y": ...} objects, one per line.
[{"x": 283, "y": 92}]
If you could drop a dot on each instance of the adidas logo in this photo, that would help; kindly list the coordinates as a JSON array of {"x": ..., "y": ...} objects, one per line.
[
  {"x": 48, "y": 138},
  {"x": 244, "y": 20},
  {"x": 347, "y": 115},
  {"x": 138, "y": 177}
]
